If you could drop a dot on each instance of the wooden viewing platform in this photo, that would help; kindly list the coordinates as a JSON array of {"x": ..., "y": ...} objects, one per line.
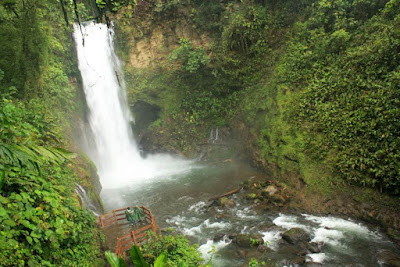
[{"x": 117, "y": 222}]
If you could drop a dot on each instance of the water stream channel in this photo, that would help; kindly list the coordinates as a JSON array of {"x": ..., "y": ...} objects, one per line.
[{"x": 176, "y": 190}]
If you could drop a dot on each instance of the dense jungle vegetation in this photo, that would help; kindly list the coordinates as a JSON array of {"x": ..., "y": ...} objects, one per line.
[
  {"x": 315, "y": 82},
  {"x": 41, "y": 221}
]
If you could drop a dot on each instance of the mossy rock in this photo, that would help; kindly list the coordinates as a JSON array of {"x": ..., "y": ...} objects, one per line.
[
  {"x": 249, "y": 240},
  {"x": 226, "y": 202},
  {"x": 296, "y": 235}
]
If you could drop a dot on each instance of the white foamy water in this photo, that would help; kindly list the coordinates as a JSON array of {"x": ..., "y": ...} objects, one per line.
[
  {"x": 206, "y": 225},
  {"x": 335, "y": 231},
  {"x": 316, "y": 257},
  {"x": 271, "y": 238},
  {"x": 246, "y": 214},
  {"x": 198, "y": 207},
  {"x": 339, "y": 224},
  {"x": 210, "y": 247},
  {"x": 288, "y": 222},
  {"x": 114, "y": 149},
  {"x": 327, "y": 236}
]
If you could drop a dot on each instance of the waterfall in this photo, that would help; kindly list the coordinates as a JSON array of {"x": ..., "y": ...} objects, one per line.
[
  {"x": 85, "y": 200},
  {"x": 212, "y": 138},
  {"x": 113, "y": 148}
]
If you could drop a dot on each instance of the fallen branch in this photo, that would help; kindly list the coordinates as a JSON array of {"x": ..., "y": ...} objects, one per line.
[{"x": 226, "y": 194}]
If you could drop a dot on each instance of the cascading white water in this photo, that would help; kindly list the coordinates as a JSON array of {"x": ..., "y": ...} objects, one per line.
[{"x": 114, "y": 150}]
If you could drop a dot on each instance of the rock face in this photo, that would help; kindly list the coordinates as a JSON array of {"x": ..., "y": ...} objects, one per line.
[
  {"x": 296, "y": 235},
  {"x": 249, "y": 240},
  {"x": 144, "y": 114},
  {"x": 388, "y": 258}
]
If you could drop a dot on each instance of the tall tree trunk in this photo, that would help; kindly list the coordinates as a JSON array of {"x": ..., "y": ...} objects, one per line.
[
  {"x": 109, "y": 5},
  {"x": 79, "y": 21},
  {"x": 76, "y": 13},
  {"x": 64, "y": 12}
]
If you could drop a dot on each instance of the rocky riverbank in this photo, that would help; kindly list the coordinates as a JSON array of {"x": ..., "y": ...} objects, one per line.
[{"x": 299, "y": 246}]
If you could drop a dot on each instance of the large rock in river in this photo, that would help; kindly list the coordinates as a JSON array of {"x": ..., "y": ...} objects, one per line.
[
  {"x": 226, "y": 202},
  {"x": 249, "y": 240},
  {"x": 296, "y": 235}
]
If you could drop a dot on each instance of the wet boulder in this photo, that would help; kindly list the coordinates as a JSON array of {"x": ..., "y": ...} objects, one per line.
[
  {"x": 394, "y": 235},
  {"x": 218, "y": 237},
  {"x": 298, "y": 261},
  {"x": 226, "y": 202},
  {"x": 247, "y": 254},
  {"x": 266, "y": 225},
  {"x": 276, "y": 198},
  {"x": 296, "y": 235},
  {"x": 314, "y": 247},
  {"x": 313, "y": 264},
  {"x": 263, "y": 249},
  {"x": 388, "y": 258},
  {"x": 284, "y": 263},
  {"x": 219, "y": 216},
  {"x": 249, "y": 240},
  {"x": 232, "y": 237},
  {"x": 286, "y": 249}
]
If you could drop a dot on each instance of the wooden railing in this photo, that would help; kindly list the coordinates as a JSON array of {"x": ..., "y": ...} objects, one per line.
[{"x": 136, "y": 237}]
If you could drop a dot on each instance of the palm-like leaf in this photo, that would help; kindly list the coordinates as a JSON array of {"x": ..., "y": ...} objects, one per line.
[
  {"x": 161, "y": 261},
  {"x": 30, "y": 157},
  {"x": 113, "y": 260},
  {"x": 137, "y": 257}
]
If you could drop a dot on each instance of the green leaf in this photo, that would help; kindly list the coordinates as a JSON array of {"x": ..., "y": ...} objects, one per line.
[
  {"x": 137, "y": 257},
  {"x": 113, "y": 260},
  {"x": 121, "y": 262},
  {"x": 2, "y": 178},
  {"x": 3, "y": 212},
  {"x": 161, "y": 261}
]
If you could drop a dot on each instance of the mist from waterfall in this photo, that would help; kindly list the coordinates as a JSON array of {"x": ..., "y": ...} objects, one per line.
[{"x": 111, "y": 143}]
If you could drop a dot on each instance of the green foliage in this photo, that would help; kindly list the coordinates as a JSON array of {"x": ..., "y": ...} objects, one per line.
[
  {"x": 41, "y": 222},
  {"x": 315, "y": 81},
  {"x": 137, "y": 257},
  {"x": 114, "y": 261},
  {"x": 176, "y": 249},
  {"x": 255, "y": 263},
  {"x": 138, "y": 260},
  {"x": 244, "y": 28},
  {"x": 161, "y": 261},
  {"x": 206, "y": 14},
  {"x": 191, "y": 59},
  {"x": 168, "y": 8},
  {"x": 115, "y": 5},
  {"x": 350, "y": 98}
]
